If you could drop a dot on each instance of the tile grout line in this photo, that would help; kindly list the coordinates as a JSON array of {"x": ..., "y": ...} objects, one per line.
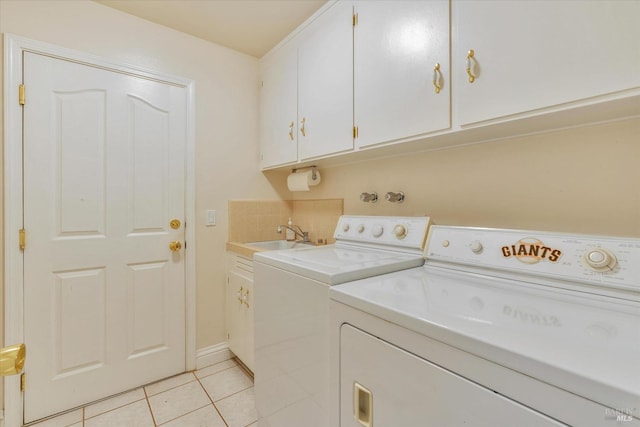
[
  {"x": 212, "y": 402},
  {"x": 217, "y": 372},
  {"x": 170, "y": 388},
  {"x": 146, "y": 397},
  {"x": 180, "y": 416}
]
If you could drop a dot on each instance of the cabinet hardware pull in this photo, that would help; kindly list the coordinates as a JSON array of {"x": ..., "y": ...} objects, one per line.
[
  {"x": 302, "y": 130},
  {"x": 362, "y": 405},
  {"x": 239, "y": 293},
  {"x": 437, "y": 77},
  {"x": 246, "y": 298},
  {"x": 291, "y": 130},
  {"x": 471, "y": 64}
]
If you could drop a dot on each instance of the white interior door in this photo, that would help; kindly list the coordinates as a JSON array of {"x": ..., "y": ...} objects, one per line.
[{"x": 104, "y": 174}]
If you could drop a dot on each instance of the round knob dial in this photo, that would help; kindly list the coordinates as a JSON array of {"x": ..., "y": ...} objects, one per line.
[
  {"x": 476, "y": 246},
  {"x": 400, "y": 231},
  {"x": 377, "y": 230},
  {"x": 360, "y": 228},
  {"x": 345, "y": 227},
  {"x": 599, "y": 259}
]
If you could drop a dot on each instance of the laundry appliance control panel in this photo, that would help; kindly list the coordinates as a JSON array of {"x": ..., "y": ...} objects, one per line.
[
  {"x": 608, "y": 261},
  {"x": 407, "y": 232}
]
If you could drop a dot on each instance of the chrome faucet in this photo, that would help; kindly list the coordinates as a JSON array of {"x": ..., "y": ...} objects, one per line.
[{"x": 304, "y": 235}]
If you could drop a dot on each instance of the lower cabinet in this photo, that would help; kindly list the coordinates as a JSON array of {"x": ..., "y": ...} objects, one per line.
[
  {"x": 239, "y": 308},
  {"x": 384, "y": 385}
]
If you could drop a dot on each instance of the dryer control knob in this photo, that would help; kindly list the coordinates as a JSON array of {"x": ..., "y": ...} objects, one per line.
[
  {"x": 400, "y": 231},
  {"x": 360, "y": 228},
  {"x": 345, "y": 226},
  {"x": 476, "y": 246},
  {"x": 599, "y": 259},
  {"x": 377, "y": 230}
]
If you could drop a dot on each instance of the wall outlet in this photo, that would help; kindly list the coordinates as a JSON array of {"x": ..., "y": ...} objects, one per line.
[{"x": 210, "y": 218}]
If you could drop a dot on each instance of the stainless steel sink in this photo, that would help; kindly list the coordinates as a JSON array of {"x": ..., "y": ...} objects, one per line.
[{"x": 274, "y": 245}]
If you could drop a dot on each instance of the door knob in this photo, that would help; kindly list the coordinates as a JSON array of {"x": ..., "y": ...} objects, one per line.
[
  {"x": 12, "y": 359},
  {"x": 175, "y": 246}
]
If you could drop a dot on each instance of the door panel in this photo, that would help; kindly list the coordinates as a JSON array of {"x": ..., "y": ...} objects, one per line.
[
  {"x": 78, "y": 346},
  {"x": 397, "y": 45},
  {"x": 325, "y": 84},
  {"x": 406, "y": 390},
  {"x": 104, "y": 174},
  {"x": 79, "y": 164},
  {"x": 533, "y": 54}
]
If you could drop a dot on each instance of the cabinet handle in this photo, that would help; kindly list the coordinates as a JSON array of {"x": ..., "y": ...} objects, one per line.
[
  {"x": 239, "y": 293},
  {"x": 291, "y": 130},
  {"x": 471, "y": 65},
  {"x": 362, "y": 405},
  {"x": 437, "y": 77},
  {"x": 245, "y": 299},
  {"x": 302, "y": 122}
]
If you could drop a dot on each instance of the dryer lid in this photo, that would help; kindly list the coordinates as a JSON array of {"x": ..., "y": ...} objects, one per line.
[{"x": 584, "y": 343}]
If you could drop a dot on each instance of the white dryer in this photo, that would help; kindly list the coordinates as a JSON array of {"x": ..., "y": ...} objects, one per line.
[
  {"x": 292, "y": 310},
  {"x": 498, "y": 328}
]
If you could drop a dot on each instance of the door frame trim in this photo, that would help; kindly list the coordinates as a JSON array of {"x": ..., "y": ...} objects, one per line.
[{"x": 13, "y": 305}]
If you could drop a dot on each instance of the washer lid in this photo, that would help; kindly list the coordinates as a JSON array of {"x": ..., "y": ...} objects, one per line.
[
  {"x": 584, "y": 343},
  {"x": 334, "y": 264}
]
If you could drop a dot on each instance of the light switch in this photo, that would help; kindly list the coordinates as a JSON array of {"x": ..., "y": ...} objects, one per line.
[{"x": 210, "y": 218}]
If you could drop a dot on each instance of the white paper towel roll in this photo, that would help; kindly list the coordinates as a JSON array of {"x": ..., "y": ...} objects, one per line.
[{"x": 301, "y": 181}]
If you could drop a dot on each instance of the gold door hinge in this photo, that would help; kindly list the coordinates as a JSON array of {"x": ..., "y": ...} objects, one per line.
[
  {"x": 22, "y": 238},
  {"x": 21, "y": 94},
  {"x": 355, "y": 132},
  {"x": 23, "y": 382},
  {"x": 355, "y": 19}
]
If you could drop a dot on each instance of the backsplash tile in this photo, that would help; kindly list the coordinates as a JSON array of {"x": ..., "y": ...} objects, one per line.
[{"x": 257, "y": 220}]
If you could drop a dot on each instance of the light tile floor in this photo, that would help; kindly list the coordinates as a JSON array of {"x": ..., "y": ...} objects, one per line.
[{"x": 219, "y": 395}]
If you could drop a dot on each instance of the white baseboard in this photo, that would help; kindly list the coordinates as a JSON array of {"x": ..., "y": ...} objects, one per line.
[{"x": 212, "y": 355}]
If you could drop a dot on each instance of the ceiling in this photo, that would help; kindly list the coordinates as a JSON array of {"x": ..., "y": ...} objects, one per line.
[{"x": 249, "y": 26}]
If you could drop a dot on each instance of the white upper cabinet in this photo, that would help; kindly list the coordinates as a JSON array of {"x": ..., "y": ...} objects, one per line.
[
  {"x": 325, "y": 84},
  {"x": 397, "y": 46},
  {"x": 400, "y": 71},
  {"x": 307, "y": 92},
  {"x": 531, "y": 55},
  {"x": 278, "y": 108}
]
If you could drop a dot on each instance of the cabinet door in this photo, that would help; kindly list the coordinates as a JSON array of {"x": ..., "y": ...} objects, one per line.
[
  {"x": 278, "y": 108},
  {"x": 325, "y": 84},
  {"x": 406, "y": 390},
  {"x": 239, "y": 316},
  {"x": 397, "y": 45},
  {"x": 536, "y": 54}
]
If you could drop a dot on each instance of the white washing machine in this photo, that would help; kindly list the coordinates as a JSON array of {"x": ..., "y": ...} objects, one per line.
[
  {"x": 292, "y": 310},
  {"x": 498, "y": 328}
]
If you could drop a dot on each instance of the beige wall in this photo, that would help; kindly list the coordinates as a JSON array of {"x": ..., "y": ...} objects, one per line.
[
  {"x": 226, "y": 115},
  {"x": 584, "y": 180}
]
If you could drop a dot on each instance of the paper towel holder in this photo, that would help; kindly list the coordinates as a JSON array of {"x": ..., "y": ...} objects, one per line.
[{"x": 314, "y": 171}]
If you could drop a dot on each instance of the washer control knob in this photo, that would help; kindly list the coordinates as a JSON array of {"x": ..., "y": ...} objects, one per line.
[
  {"x": 360, "y": 228},
  {"x": 599, "y": 259},
  {"x": 476, "y": 246},
  {"x": 400, "y": 231},
  {"x": 345, "y": 226},
  {"x": 377, "y": 230}
]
